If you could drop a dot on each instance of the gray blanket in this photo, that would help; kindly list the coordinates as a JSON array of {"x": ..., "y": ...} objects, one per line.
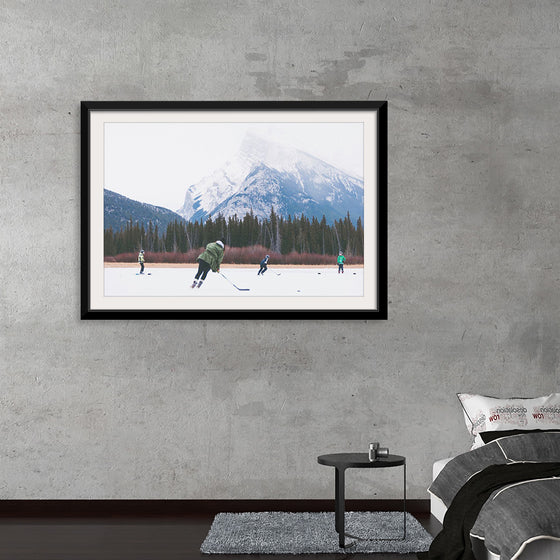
[{"x": 516, "y": 513}]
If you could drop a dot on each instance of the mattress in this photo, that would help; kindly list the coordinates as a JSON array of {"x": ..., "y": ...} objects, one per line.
[{"x": 437, "y": 507}]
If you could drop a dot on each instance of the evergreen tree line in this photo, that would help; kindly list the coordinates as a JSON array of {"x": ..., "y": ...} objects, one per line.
[{"x": 280, "y": 235}]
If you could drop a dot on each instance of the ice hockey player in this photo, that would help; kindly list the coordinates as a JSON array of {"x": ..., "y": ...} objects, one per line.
[
  {"x": 141, "y": 261},
  {"x": 341, "y": 259},
  {"x": 210, "y": 259},
  {"x": 264, "y": 265}
]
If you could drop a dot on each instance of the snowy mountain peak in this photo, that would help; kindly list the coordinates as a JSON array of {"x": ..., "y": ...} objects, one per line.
[
  {"x": 258, "y": 150},
  {"x": 265, "y": 174}
]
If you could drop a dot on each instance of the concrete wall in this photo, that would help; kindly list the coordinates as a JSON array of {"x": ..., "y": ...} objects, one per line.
[{"x": 241, "y": 409}]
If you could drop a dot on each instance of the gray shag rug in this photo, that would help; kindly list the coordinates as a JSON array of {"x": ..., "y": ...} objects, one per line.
[{"x": 277, "y": 532}]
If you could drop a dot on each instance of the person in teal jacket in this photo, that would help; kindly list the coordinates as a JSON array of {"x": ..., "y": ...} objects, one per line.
[
  {"x": 210, "y": 259},
  {"x": 341, "y": 259}
]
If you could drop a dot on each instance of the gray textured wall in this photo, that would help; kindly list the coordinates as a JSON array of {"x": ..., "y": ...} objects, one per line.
[{"x": 241, "y": 409}]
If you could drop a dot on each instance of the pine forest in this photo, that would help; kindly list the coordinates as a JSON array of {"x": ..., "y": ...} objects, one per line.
[{"x": 292, "y": 240}]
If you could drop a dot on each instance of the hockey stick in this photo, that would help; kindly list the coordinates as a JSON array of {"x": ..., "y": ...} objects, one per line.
[{"x": 240, "y": 289}]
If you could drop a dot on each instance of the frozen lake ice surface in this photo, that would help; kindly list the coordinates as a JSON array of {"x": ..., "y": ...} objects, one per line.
[{"x": 288, "y": 282}]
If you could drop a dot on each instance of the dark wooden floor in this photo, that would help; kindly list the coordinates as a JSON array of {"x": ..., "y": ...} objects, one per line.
[{"x": 168, "y": 538}]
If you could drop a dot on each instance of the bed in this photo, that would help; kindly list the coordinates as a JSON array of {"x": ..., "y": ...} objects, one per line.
[{"x": 501, "y": 499}]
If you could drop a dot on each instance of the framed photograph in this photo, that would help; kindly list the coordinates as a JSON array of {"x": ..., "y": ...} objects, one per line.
[{"x": 234, "y": 210}]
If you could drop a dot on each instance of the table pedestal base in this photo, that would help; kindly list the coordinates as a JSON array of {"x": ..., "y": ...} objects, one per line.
[{"x": 339, "y": 509}]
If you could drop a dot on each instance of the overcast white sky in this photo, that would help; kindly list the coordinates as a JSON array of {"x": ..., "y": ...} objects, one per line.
[{"x": 157, "y": 162}]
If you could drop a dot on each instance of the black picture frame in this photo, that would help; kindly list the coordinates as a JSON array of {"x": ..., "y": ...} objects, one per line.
[{"x": 96, "y": 304}]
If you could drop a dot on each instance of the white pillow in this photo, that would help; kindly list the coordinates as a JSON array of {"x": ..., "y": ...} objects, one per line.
[{"x": 483, "y": 414}]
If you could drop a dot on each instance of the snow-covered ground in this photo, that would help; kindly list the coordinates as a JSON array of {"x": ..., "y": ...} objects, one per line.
[{"x": 291, "y": 282}]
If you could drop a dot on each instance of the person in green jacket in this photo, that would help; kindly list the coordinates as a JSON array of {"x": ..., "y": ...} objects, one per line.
[
  {"x": 210, "y": 259},
  {"x": 341, "y": 259}
]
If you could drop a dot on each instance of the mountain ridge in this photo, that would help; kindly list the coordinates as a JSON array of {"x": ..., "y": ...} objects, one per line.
[
  {"x": 119, "y": 209},
  {"x": 267, "y": 175}
]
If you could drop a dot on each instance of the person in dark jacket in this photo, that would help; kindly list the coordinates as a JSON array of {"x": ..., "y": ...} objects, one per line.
[
  {"x": 264, "y": 265},
  {"x": 210, "y": 259}
]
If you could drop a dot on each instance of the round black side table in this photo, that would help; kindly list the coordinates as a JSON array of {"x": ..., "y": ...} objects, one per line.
[{"x": 343, "y": 461}]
